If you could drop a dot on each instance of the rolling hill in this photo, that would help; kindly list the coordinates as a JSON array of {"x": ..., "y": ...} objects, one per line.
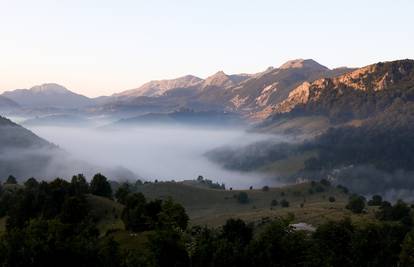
[
  {"x": 7, "y": 104},
  {"x": 48, "y": 95},
  {"x": 183, "y": 117},
  {"x": 23, "y": 154}
]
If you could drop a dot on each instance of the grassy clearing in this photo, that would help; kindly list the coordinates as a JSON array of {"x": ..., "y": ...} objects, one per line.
[
  {"x": 213, "y": 207},
  {"x": 300, "y": 126},
  {"x": 289, "y": 166}
]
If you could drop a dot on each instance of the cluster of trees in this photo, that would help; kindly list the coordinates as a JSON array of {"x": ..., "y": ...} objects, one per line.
[
  {"x": 399, "y": 211},
  {"x": 210, "y": 183},
  {"x": 50, "y": 224},
  {"x": 279, "y": 244},
  {"x": 140, "y": 215},
  {"x": 253, "y": 156},
  {"x": 385, "y": 142}
]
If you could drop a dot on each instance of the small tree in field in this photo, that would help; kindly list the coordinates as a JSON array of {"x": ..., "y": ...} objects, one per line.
[
  {"x": 242, "y": 198},
  {"x": 356, "y": 204},
  {"x": 100, "y": 186},
  {"x": 284, "y": 203},
  {"x": 11, "y": 180}
]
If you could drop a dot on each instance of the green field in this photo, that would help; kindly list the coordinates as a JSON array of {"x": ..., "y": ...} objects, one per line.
[{"x": 213, "y": 207}]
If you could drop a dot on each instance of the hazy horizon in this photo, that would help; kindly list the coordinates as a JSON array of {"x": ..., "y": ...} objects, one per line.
[{"x": 101, "y": 47}]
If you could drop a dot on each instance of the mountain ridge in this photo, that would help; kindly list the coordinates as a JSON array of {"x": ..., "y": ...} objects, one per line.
[{"x": 48, "y": 95}]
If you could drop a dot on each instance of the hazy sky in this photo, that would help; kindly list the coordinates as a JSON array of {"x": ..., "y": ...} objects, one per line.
[{"x": 100, "y": 47}]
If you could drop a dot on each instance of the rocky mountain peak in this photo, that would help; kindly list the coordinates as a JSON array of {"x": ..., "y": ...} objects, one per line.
[
  {"x": 302, "y": 63},
  {"x": 219, "y": 79}
]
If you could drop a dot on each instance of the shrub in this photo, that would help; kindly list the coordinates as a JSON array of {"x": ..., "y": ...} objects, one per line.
[
  {"x": 325, "y": 182},
  {"x": 331, "y": 199},
  {"x": 376, "y": 200},
  {"x": 242, "y": 198},
  {"x": 11, "y": 180},
  {"x": 343, "y": 189},
  {"x": 356, "y": 204},
  {"x": 284, "y": 203}
]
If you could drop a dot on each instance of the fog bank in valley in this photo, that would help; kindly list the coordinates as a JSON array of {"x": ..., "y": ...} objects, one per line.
[{"x": 163, "y": 153}]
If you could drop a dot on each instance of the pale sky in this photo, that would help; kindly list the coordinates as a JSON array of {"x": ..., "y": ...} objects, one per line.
[{"x": 98, "y": 47}]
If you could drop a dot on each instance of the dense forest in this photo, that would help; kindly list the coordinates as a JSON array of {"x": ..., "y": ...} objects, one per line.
[{"x": 52, "y": 224}]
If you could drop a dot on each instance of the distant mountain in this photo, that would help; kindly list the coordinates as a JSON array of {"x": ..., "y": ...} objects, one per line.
[
  {"x": 7, "y": 104},
  {"x": 49, "y": 95},
  {"x": 356, "y": 129},
  {"x": 259, "y": 94},
  {"x": 183, "y": 117},
  {"x": 158, "y": 88},
  {"x": 351, "y": 98},
  {"x": 58, "y": 120},
  {"x": 356, "y": 95},
  {"x": 252, "y": 95}
]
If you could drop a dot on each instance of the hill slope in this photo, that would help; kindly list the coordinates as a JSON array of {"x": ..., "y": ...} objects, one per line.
[{"x": 7, "y": 104}]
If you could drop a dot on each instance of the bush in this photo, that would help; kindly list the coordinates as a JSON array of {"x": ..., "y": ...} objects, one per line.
[
  {"x": 376, "y": 200},
  {"x": 274, "y": 203},
  {"x": 319, "y": 188},
  {"x": 325, "y": 182},
  {"x": 265, "y": 188},
  {"x": 343, "y": 189},
  {"x": 331, "y": 199},
  {"x": 242, "y": 198},
  {"x": 11, "y": 180},
  {"x": 284, "y": 203},
  {"x": 356, "y": 204}
]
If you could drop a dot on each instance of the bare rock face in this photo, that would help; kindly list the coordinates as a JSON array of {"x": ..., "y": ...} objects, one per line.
[
  {"x": 254, "y": 96},
  {"x": 158, "y": 88},
  {"x": 220, "y": 79},
  {"x": 323, "y": 95}
]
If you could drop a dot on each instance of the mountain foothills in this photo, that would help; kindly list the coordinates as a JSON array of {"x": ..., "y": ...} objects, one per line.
[{"x": 24, "y": 155}]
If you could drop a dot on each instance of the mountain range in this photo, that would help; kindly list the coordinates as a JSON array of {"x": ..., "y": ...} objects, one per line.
[
  {"x": 349, "y": 99},
  {"x": 296, "y": 87},
  {"x": 342, "y": 119},
  {"x": 252, "y": 95},
  {"x": 49, "y": 95}
]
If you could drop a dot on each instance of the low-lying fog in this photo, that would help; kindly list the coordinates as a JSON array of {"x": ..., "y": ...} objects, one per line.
[{"x": 163, "y": 153}]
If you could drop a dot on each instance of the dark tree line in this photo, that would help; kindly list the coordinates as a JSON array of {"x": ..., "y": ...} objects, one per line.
[{"x": 50, "y": 224}]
